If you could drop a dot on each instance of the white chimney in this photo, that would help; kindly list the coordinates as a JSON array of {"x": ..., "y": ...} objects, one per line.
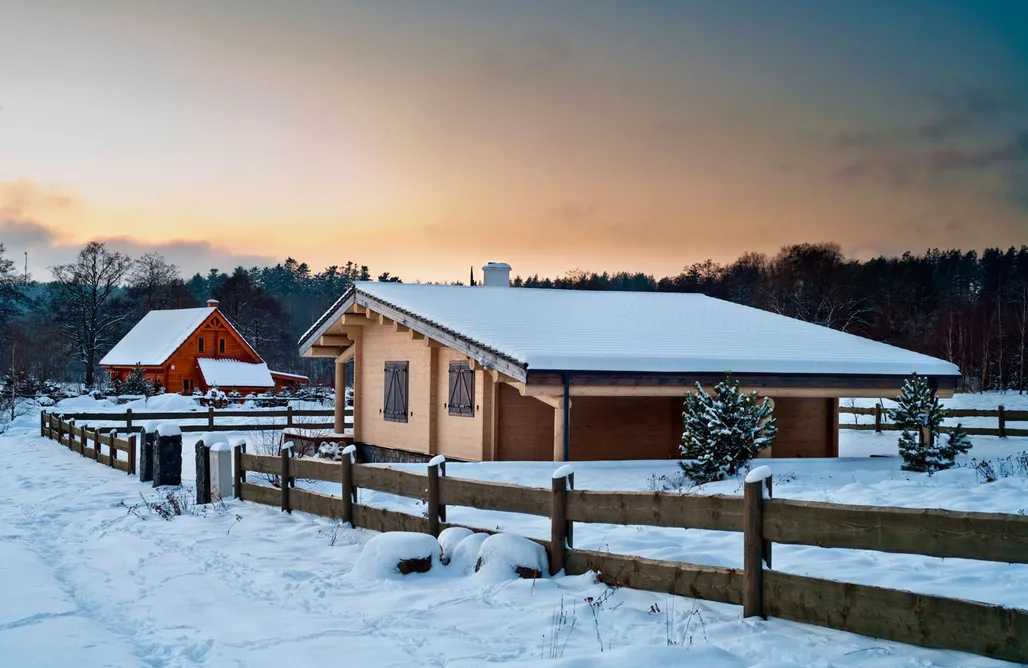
[{"x": 496, "y": 275}]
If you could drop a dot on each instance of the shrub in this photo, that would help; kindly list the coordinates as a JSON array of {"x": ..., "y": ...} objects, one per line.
[
  {"x": 724, "y": 432},
  {"x": 919, "y": 409}
]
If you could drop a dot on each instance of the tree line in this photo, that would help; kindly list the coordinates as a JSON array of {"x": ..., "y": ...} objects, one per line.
[{"x": 967, "y": 307}]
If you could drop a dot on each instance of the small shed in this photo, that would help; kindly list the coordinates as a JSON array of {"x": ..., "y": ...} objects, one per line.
[
  {"x": 500, "y": 373},
  {"x": 184, "y": 350}
]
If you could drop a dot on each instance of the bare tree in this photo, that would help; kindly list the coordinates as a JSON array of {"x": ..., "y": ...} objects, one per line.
[
  {"x": 85, "y": 302},
  {"x": 152, "y": 282}
]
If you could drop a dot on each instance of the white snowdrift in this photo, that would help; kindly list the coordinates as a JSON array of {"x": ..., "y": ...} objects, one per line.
[
  {"x": 450, "y": 538},
  {"x": 382, "y": 553},
  {"x": 465, "y": 554}
]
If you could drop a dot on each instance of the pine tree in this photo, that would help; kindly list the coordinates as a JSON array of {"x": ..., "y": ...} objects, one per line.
[
  {"x": 919, "y": 409},
  {"x": 136, "y": 383},
  {"x": 724, "y": 432}
]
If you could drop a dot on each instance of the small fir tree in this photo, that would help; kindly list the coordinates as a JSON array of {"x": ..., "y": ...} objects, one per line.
[
  {"x": 918, "y": 409},
  {"x": 724, "y": 432},
  {"x": 136, "y": 383}
]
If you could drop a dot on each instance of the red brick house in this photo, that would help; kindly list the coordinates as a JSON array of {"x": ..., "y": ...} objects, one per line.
[{"x": 190, "y": 349}]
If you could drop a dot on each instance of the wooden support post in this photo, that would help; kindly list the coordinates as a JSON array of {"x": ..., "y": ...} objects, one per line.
[
  {"x": 210, "y": 417},
  {"x": 559, "y": 523},
  {"x": 1002, "y": 422},
  {"x": 132, "y": 454},
  {"x": 237, "y": 471},
  {"x": 753, "y": 550},
  {"x": 558, "y": 430},
  {"x": 285, "y": 478},
  {"x": 128, "y": 420},
  {"x": 339, "y": 414},
  {"x": 349, "y": 493},
  {"x": 878, "y": 418},
  {"x": 433, "y": 497}
]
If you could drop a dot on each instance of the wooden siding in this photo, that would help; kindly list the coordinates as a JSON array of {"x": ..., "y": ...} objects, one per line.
[
  {"x": 380, "y": 344},
  {"x": 806, "y": 427},
  {"x": 625, "y": 427},
  {"x": 458, "y": 436},
  {"x": 525, "y": 427}
]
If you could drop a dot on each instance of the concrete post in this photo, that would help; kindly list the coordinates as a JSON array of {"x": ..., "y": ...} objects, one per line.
[{"x": 222, "y": 477}]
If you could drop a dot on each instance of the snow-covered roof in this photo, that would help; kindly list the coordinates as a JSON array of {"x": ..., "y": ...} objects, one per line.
[
  {"x": 154, "y": 338},
  {"x": 286, "y": 374},
  {"x": 573, "y": 330},
  {"x": 232, "y": 373}
]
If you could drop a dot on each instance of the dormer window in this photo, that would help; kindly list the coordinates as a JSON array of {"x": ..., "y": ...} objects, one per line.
[{"x": 199, "y": 344}]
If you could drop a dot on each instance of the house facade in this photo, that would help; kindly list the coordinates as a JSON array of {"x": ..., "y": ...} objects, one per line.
[
  {"x": 499, "y": 373},
  {"x": 185, "y": 350}
]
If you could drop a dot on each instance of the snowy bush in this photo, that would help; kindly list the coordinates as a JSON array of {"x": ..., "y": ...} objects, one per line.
[
  {"x": 917, "y": 409},
  {"x": 450, "y": 538},
  {"x": 136, "y": 384},
  {"x": 396, "y": 553},
  {"x": 724, "y": 432},
  {"x": 506, "y": 556},
  {"x": 463, "y": 557}
]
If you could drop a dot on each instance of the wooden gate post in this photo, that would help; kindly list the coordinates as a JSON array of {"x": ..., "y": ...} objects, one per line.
[
  {"x": 1002, "y": 422},
  {"x": 132, "y": 454},
  {"x": 559, "y": 519},
  {"x": 237, "y": 471},
  {"x": 128, "y": 420},
  {"x": 349, "y": 492},
  {"x": 753, "y": 543},
  {"x": 435, "y": 508},
  {"x": 286, "y": 451},
  {"x": 878, "y": 418}
]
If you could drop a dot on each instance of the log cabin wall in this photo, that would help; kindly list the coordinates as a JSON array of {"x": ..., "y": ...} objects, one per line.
[
  {"x": 525, "y": 427},
  {"x": 625, "y": 427},
  {"x": 459, "y": 437},
  {"x": 182, "y": 365},
  {"x": 807, "y": 427}
]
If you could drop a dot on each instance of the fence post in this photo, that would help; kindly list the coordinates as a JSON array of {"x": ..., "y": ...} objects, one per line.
[
  {"x": 42, "y": 424},
  {"x": 82, "y": 443},
  {"x": 210, "y": 417},
  {"x": 289, "y": 415},
  {"x": 753, "y": 543},
  {"x": 433, "y": 494},
  {"x": 349, "y": 493},
  {"x": 132, "y": 454},
  {"x": 559, "y": 520},
  {"x": 285, "y": 476},
  {"x": 128, "y": 420},
  {"x": 202, "y": 454},
  {"x": 97, "y": 436},
  {"x": 767, "y": 543},
  {"x": 878, "y": 418},
  {"x": 1002, "y": 422},
  {"x": 237, "y": 472},
  {"x": 60, "y": 428}
]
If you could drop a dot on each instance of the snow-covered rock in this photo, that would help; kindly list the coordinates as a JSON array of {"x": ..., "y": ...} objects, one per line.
[
  {"x": 450, "y": 538},
  {"x": 507, "y": 556},
  {"x": 397, "y": 553}
]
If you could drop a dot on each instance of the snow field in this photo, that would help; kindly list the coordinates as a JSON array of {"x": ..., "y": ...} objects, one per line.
[{"x": 89, "y": 583}]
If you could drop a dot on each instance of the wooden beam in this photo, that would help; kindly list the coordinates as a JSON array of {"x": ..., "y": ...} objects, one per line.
[
  {"x": 429, "y": 343},
  {"x": 549, "y": 400},
  {"x": 416, "y": 336},
  {"x": 397, "y": 327},
  {"x": 382, "y": 320},
  {"x": 336, "y": 340},
  {"x": 324, "y": 352},
  {"x": 346, "y": 356},
  {"x": 353, "y": 319},
  {"x": 558, "y": 430},
  {"x": 668, "y": 391},
  {"x": 359, "y": 310}
]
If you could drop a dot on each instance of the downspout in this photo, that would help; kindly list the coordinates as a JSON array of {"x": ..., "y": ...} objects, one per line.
[{"x": 567, "y": 416}]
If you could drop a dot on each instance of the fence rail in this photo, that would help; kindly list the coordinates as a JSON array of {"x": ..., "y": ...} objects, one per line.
[
  {"x": 918, "y": 619},
  {"x": 132, "y": 420},
  {"x": 1001, "y": 414}
]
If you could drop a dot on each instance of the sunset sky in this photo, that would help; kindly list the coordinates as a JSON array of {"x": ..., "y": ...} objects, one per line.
[{"x": 423, "y": 137}]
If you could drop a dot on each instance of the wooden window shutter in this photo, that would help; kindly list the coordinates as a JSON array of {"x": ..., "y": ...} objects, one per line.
[
  {"x": 461, "y": 400},
  {"x": 396, "y": 384}
]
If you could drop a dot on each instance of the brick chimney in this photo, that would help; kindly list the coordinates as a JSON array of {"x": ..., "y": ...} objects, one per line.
[{"x": 212, "y": 303}]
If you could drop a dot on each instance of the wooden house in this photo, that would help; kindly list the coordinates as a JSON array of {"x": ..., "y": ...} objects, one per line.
[
  {"x": 501, "y": 373},
  {"x": 184, "y": 350}
]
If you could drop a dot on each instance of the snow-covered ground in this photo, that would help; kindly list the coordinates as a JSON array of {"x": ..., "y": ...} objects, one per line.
[{"x": 89, "y": 582}]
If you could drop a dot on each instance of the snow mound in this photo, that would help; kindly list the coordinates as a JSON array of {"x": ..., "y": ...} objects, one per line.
[
  {"x": 86, "y": 404},
  {"x": 450, "y": 538},
  {"x": 758, "y": 474},
  {"x": 210, "y": 438},
  {"x": 563, "y": 472},
  {"x": 395, "y": 554},
  {"x": 168, "y": 429},
  {"x": 465, "y": 554},
  {"x": 508, "y": 556},
  {"x": 172, "y": 402}
]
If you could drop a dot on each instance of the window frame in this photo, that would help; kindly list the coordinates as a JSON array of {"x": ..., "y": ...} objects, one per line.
[
  {"x": 461, "y": 377},
  {"x": 200, "y": 345},
  {"x": 221, "y": 345},
  {"x": 396, "y": 386}
]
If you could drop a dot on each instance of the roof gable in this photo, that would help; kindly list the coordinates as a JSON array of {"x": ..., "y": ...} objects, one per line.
[{"x": 643, "y": 332}]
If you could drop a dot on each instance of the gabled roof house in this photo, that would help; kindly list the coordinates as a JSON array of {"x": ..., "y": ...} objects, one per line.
[
  {"x": 190, "y": 349},
  {"x": 494, "y": 372}
]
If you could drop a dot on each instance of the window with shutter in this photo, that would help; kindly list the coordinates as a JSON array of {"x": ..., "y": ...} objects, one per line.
[
  {"x": 395, "y": 402},
  {"x": 461, "y": 402}
]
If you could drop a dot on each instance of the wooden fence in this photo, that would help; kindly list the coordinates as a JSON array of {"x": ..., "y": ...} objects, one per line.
[
  {"x": 1001, "y": 415},
  {"x": 132, "y": 420},
  {"x": 918, "y": 619},
  {"x": 89, "y": 442}
]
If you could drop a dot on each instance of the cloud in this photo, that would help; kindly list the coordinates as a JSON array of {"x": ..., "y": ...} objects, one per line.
[
  {"x": 860, "y": 138},
  {"x": 958, "y": 111},
  {"x": 954, "y": 158}
]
